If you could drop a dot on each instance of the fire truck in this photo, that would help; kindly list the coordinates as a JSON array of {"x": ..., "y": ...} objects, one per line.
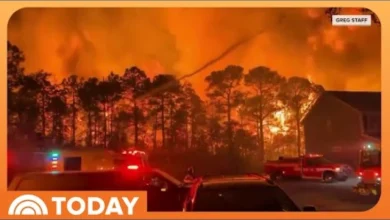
[
  {"x": 369, "y": 171},
  {"x": 87, "y": 159},
  {"x": 310, "y": 166},
  {"x": 95, "y": 159}
]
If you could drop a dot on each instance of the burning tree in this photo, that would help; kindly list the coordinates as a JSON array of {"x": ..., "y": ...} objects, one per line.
[
  {"x": 135, "y": 83},
  {"x": 58, "y": 108},
  {"x": 71, "y": 86},
  {"x": 89, "y": 102},
  {"x": 265, "y": 85},
  {"x": 163, "y": 98},
  {"x": 115, "y": 107},
  {"x": 298, "y": 94},
  {"x": 110, "y": 93},
  {"x": 196, "y": 116},
  {"x": 223, "y": 85}
]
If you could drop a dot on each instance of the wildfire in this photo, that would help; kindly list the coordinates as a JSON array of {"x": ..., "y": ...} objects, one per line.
[
  {"x": 310, "y": 101},
  {"x": 310, "y": 78},
  {"x": 274, "y": 130},
  {"x": 281, "y": 118}
]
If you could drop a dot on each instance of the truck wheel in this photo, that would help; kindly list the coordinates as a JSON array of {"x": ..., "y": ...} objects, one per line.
[
  {"x": 328, "y": 177},
  {"x": 277, "y": 176}
]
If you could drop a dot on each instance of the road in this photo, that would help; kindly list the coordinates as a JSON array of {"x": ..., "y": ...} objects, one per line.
[{"x": 328, "y": 197}]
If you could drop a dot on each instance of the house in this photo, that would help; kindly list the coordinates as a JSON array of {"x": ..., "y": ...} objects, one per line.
[{"x": 340, "y": 123}]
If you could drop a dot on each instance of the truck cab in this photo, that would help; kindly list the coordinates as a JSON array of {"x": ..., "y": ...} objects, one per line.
[
  {"x": 369, "y": 171},
  {"x": 318, "y": 167},
  {"x": 310, "y": 166}
]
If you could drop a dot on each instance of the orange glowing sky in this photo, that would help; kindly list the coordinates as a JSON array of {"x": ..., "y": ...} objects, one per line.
[{"x": 91, "y": 42}]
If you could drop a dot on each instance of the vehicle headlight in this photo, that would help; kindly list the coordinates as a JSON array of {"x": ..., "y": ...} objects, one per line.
[
  {"x": 378, "y": 179},
  {"x": 337, "y": 169}
]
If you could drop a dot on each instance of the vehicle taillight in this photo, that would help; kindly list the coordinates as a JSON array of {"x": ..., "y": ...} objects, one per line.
[
  {"x": 124, "y": 152},
  {"x": 132, "y": 167},
  {"x": 360, "y": 174}
]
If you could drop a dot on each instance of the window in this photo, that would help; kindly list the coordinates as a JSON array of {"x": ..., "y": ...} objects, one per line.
[
  {"x": 72, "y": 164},
  {"x": 315, "y": 161},
  {"x": 243, "y": 198}
]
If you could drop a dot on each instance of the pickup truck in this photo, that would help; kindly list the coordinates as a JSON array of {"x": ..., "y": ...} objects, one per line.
[
  {"x": 311, "y": 166},
  {"x": 164, "y": 192}
]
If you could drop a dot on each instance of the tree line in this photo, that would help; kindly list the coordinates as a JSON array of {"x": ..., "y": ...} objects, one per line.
[{"x": 243, "y": 112}]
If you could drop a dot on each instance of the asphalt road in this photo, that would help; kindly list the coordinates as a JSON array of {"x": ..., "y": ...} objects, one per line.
[{"x": 336, "y": 196}]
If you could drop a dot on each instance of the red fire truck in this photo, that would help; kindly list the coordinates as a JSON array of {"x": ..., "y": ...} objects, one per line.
[
  {"x": 87, "y": 159},
  {"x": 311, "y": 166},
  {"x": 369, "y": 171}
]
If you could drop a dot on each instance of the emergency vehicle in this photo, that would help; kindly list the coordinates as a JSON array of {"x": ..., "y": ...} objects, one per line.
[
  {"x": 87, "y": 159},
  {"x": 369, "y": 171},
  {"x": 95, "y": 159},
  {"x": 311, "y": 166}
]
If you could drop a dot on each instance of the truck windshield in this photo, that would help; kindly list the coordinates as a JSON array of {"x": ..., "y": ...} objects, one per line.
[{"x": 370, "y": 159}]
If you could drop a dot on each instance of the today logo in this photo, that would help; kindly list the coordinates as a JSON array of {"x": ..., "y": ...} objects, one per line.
[{"x": 33, "y": 205}]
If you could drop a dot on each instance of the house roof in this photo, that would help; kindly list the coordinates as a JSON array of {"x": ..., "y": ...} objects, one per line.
[{"x": 362, "y": 101}]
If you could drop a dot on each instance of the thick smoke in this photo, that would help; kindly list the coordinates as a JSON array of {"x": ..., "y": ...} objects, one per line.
[{"x": 180, "y": 40}]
